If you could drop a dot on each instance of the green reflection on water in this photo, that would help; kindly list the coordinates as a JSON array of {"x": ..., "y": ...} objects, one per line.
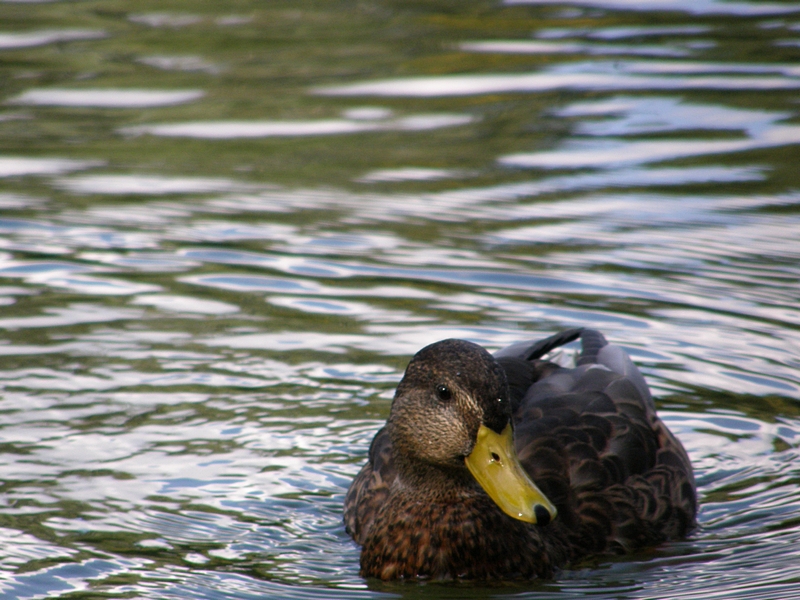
[{"x": 124, "y": 425}]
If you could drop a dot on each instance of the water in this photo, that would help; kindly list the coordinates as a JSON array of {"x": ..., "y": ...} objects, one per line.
[{"x": 225, "y": 227}]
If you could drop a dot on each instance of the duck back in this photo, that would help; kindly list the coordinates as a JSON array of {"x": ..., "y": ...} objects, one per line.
[{"x": 591, "y": 439}]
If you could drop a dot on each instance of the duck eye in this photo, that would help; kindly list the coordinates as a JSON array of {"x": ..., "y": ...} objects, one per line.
[{"x": 443, "y": 393}]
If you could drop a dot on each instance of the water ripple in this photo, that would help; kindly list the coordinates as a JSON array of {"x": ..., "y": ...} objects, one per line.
[
  {"x": 10, "y": 41},
  {"x": 699, "y": 7},
  {"x": 218, "y": 130},
  {"x": 12, "y": 166},
  {"x": 72, "y": 315},
  {"x": 147, "y": 184},
  {"x": 547, "y": 47},
  {"x": 650, "y": 116},
  {"x": 217, "y": 261},
  {"x": 105, "y": 98},
  {"x": 581, "y": 76},
  {"x": 476, "y": 204},
  {"x": 187, "y": 304}
]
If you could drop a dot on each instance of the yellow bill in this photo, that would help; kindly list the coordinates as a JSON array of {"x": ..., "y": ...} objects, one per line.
[{"x": 494, "y": 464}]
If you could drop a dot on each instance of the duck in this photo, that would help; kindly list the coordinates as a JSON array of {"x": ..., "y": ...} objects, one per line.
[{"x": 511, "y": 466}]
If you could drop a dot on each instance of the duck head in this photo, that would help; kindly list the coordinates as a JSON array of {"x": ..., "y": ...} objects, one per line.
[{"x": 450, "y": 424}]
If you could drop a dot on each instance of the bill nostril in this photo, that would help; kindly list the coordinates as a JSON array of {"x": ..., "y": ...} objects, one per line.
[{"x": 542, "y": 515}]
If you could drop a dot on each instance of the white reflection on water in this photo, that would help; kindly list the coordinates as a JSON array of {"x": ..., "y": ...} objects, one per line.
[
  {"x": 627, "y": 115},
  {"x": 10, "y": 41},
  {"x": 598, "y": 76},
  {"x": 723, "y": 7},
  {"x": 72, "y": 276},
  {"x": 141, "y": 261},
  {"x": 180, "y": 63},
  {"x": 106, "y": 98},
  {"x": 488, "y": 202},
  {"x": 19, "y": 201},
  {"x": 119, "y": 377},
  {"x": 220, "y": 231},
  {"x": 71, "y": 315},
  {"x": 483, "y": 203},
  {"x": 180, "y": 304},
  {"x": 616, "y": 33},
  {"x": 673, "y": 67},
  {"x": 479, "y": 268},
  {"x": 20, "y": 548},
  {"x": 609, "y": 218},
  {"x": 471, "y": 277},
  {"x": 402, "y": 341},
  {"x": 16, "y": 166},
  {"x": 279, "y": 285},
  {"x": 32, "y": 268},
  {"x": 651, "y": 115},
  {"x": 155, "y": 185},
  {"x": 256, "y": 283},
  {"x": 357, "y": 310},
  {"x": 325, "y": 307},
  {"x": 57, "y": 239},
  {"x": 94, "y": 285},
  {"x": 367, "y": 113},
  {"x": 409, "y": 174},
  {"x": 615, "y": 153},
  {"x": 261, "y": 129},
  {"x": 233, "y": 20},
  {"x": 296, "y": 265},
  {"x": 542, "y": 47},
  {"x": 163, "y": 19},
  {"x": 352, "y": 242}
]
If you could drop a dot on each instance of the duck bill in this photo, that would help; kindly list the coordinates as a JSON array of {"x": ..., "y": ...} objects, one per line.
[{"x": 494, "y": 464}]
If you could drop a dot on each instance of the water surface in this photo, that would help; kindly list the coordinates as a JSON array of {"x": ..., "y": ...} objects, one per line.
[{"x": 225, "y": 228}]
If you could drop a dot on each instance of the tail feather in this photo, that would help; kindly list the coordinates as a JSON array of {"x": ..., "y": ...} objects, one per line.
[{"x": 528, "y": 351}]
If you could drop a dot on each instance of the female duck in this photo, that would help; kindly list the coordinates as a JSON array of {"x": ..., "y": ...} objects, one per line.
[{"x": 449, "y": 492}]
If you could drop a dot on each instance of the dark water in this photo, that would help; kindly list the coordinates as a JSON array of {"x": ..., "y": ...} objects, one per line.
[{"x": 226, "y": 226}]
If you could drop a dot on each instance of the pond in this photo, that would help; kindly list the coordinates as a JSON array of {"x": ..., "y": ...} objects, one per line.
[{"x": 226, "y": 227}]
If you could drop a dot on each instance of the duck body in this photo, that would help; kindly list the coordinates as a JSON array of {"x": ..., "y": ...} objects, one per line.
[{"x": 605, "y": 473}]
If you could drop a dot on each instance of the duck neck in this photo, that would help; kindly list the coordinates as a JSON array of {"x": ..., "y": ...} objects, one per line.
[{"x": 436, "y": 482}]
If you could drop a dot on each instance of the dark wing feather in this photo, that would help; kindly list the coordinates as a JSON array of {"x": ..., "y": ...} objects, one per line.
[
  {"x": 533, "y": 350},
  {"x": 591, "y": 439},
  {"x": 370, "y": 489}
]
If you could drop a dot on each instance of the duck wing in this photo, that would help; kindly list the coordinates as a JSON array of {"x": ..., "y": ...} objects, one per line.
[
  {"x": 370, "y": 489},
  {"x": 590, "y": 438}
]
